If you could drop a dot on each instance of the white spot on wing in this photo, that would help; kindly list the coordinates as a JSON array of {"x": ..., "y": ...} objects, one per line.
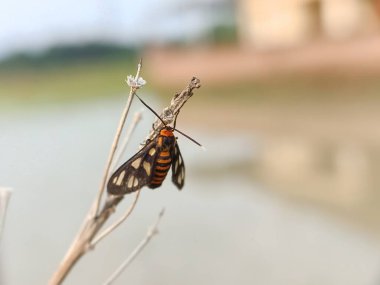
[
  {"x": 152, "y": 151},
  {"x": 176, "y": 166},
  {"x": 146, "y": 166},
  {"x": 135, "y": 182},
  {"x": 130, "y": 181},
  {"x": 179, "y": 179},
  {"x": 136, "y": 163},
  {"x": 120, "y": 178},
  {"x": 182, "y": 174}
]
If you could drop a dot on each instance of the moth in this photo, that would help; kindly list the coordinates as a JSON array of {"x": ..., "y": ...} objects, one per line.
[{"x": 150, "y": 166}]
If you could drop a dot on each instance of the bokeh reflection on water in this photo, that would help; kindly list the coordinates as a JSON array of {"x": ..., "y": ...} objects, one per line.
[{"x": 222, "y": 228}]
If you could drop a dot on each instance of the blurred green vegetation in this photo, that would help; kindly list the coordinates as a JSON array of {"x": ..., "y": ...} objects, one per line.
[
  {"x": 68, "y": 55},
  {"x": 96, "y": 70},
  {"x": 66, "y": 73},
  {"x": 223, "y": 34}
]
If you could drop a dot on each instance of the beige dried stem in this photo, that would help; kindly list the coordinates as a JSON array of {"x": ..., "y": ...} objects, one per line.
[
  {"x": 136, "y": 119},
  {"x": 5, "y": 194},
  {"x": 152, "y": 231},
  {"x": 99, "y": 214}
]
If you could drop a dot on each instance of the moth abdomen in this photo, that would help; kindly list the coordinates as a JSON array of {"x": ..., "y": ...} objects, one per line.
[{"x": 161, "y": 169}]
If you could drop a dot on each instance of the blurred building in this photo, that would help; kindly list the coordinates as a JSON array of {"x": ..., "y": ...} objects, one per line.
[
  {"x": 275, "y": 24},
  {"x": 309, "y": 37}
]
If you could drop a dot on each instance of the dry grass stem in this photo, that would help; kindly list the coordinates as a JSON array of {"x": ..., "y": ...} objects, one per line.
[
  {"x": 5, "y": 194},
  {"x": 123, "y": 118},
  {"x": 95, "y": 221},
  {"x": 111, "y": 228},
  {"x": 136, "y": 119},
  {"x": 152, "y": 231}
]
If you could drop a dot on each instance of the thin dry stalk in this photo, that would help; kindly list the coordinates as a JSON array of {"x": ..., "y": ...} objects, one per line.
[
  {"x": 5, "y": 194},
  {"x": 111, "y": 228},
  {"x": 170, "y": 113},
  {"x": 152, "y": 231},
  {"x": 93, "y": 223},
  {"x": 136, "y": 119},
  {"x": 95, "y": 207}
]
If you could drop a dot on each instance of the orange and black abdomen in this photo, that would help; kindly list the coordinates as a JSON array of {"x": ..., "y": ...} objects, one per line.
[
  {"x": 161, "y": 168},
  {"x": 163, "y": 160}
]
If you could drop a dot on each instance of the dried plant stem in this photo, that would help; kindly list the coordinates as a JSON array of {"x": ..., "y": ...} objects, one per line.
[
  {"x": 95, "y": 218},
  {"x": 5, "y": 194},
  {"x": 94, "y": 221},
  {"x": 82, "y": 242},
  {"x": 96, "y": 204},
  {"x": 152, "y": 231},
  {"x": 136, "y": 119},
  {"x": 111, "y": 228},
  {"x": 169, "y": 114}
]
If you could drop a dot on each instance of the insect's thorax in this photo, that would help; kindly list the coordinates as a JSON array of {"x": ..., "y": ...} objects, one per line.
[{"x": 165, "y": 142}]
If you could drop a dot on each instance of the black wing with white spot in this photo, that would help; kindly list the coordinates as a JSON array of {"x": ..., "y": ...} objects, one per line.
[
  {"x": 178, "y": 168},
  {"x": 135, "y": 173}
]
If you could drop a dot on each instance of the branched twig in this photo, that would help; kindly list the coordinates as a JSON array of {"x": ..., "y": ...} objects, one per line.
[
  {"x": 94, "y": 221},
  {"x": 153, "y": 230},
  {"x": 169, "y": 113},
  {"x": 136, "y": 119},
  {"x": 5, "y": 194},
  {"x": 95, "y": 207},
  {"x": 85, "y": 240},
  {"x": 107, "y": 231}
]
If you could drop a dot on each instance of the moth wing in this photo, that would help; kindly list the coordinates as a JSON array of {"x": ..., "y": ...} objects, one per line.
[
  {"x": 135, "y": 173},
  {"x": 178, "y": 168}
]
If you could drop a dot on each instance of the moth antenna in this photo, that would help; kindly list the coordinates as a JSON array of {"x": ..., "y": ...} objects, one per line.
[
  {"x": 146, "y": 105},
  {"x": 190, "y": 138},
  {"x": 185, "y": 135}
]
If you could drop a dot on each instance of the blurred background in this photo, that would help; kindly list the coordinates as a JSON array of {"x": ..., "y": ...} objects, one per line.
[{"x": 288, "y": 189}]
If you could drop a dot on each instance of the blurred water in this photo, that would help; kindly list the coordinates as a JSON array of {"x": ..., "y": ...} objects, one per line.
[{"x": 221, "y": 229}]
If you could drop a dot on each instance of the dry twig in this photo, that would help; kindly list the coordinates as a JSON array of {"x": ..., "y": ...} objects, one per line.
[
  {"x": 96, "y": 204},
  {"x": 136, "y": 119},
  {"x": 153, "y": 230},
  {"x": 107, "y": 231},
  {"x": 5, "y": 194},
  {"x": 94, "y": 221},
  {"x": 85, "y": 240}
]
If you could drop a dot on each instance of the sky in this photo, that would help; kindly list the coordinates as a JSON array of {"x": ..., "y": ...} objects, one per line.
[{"x": 35, "y": 25}]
